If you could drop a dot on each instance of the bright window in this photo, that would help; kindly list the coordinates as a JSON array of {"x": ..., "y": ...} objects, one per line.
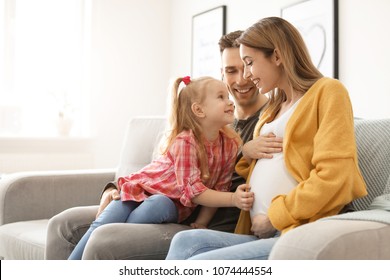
[{"x": 44, "y": 53}]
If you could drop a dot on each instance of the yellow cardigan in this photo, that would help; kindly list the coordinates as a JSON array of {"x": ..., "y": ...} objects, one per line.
[{"x": 320, "y": 153}]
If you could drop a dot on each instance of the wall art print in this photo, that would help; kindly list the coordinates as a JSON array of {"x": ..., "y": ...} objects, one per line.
[{"x": 317, "y": 20}]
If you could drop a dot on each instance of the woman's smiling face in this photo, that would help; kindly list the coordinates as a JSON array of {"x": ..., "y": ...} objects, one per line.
[{"x": 262, "y": 70}]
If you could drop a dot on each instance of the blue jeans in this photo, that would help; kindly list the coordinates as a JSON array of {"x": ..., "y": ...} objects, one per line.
[
  {"x": 156, "y": 209},
  {"x": 204, "y": 244}
]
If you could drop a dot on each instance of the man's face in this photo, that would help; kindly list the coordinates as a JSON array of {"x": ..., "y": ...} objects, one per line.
[{"x": 244, "y": 91}]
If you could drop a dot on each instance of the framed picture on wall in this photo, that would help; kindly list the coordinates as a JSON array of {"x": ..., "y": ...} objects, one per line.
[
  {"x": 207, "y": 28},
  {"x": 317, "y": 21}
]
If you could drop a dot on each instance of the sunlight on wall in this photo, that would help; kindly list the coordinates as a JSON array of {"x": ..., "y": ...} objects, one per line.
[{"x": 44, "y": 68}]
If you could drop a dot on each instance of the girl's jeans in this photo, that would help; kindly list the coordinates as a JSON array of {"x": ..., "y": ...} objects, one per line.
[
  {"x": 156, "y": 209},
  {"x": 203, "y": 244}
]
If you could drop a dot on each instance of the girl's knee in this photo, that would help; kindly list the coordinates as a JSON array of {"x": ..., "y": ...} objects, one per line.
[
  {"x": 156, "y": 209},
  {"x": 160, "y": 200},
  {"x": 158, "y": 197}
]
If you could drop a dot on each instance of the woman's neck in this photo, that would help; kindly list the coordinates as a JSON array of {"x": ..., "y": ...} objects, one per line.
[
  {"x": 291, "y": 98},
  {"x": 292, "y": 95}
]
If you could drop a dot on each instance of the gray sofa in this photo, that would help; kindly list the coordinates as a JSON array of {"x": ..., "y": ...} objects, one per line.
[
  {"x": 364, "y": 234},
  {"x": 29, "y": 201}
]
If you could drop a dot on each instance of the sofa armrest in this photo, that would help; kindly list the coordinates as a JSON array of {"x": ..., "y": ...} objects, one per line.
[
  {"x": 334, "y": 240},
  {"x": 41, "y": 195}
]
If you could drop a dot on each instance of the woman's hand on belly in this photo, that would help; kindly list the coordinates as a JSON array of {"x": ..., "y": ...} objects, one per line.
[
  {"x": 262, "y": 146},
  {"x": 262, "y": 227}
]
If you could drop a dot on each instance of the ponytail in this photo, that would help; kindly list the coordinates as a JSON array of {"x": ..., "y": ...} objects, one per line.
[{"x": 184, "y": 92}]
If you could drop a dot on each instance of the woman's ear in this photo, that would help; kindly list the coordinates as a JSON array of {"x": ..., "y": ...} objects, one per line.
[
  {"x": 197, "y": 110},
  {"x": 277, "y": 58}
]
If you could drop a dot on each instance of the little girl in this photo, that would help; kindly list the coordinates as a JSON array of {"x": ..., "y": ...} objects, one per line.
[{"x": 195, "y": 167}]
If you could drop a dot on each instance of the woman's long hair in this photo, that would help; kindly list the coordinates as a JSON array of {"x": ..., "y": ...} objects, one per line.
[
  {"x": 273, "y": 33},
  {"x": 182, "y": 118}
]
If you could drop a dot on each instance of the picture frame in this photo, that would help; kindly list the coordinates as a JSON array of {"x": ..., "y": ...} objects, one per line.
[
  {"x": 317, "y": 21},
  {"x": 207, "y": 29}
]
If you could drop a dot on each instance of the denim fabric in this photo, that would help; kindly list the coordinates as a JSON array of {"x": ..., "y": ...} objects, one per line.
[
  {"x": 156, "y": 209},
  {"x": 215, "y": 245}
]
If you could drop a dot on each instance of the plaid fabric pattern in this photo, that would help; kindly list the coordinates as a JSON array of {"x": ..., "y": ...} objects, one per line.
[{"x": 177, "y": 174}]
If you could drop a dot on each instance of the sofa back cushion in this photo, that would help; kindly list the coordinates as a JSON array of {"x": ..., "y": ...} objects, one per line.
[
  {"x": 142, "y": 137},
  {"x": 372, "y": 139},
  {"x": 373, "y": 143}
]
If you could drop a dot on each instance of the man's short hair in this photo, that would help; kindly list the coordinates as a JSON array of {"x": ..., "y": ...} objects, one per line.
[{"x": 229, "y": 40}]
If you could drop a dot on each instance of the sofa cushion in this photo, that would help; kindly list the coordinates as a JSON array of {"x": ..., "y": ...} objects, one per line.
[
  {"x": 382, "y": 201},
  {"x": 23, "y": 240},
  {"x": 334, "y": 240},
  {"x": 372, "y": 138},
  {"x": 138, "y": 148}
]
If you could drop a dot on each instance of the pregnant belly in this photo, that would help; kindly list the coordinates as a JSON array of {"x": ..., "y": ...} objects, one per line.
[{"x": 269, "y": 178}]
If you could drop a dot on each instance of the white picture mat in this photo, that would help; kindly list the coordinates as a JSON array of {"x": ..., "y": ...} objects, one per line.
[
  {"x": 315, "y": 19},
  {"x": 207, "y": 29}
]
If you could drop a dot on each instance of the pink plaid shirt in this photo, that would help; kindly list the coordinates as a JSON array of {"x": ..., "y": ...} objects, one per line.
[{"x": 177, "y": 174}]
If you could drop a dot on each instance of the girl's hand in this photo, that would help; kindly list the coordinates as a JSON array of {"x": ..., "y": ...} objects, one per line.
[
  {"x": 262, "y": 147},
  {"x": 198, "y": 225},
  {"x": 243, "y": 198},
  {"x": 262, "y": 227}
]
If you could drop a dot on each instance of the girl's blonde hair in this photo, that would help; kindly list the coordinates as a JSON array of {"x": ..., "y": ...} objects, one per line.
[
  {"x": 273, "y": 33},
  {"x": 182, "y": 117}
]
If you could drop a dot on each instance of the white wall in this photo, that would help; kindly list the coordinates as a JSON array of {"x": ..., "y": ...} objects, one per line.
[
  {"x": 364, "y": 41},
  {"x": 363, "y": 65},
  {"x": 364, "y": 57},
  {"x": 138, "y": 45},
  {"x": 130, "y": 40},
  {"x": 240, "y": 15}
]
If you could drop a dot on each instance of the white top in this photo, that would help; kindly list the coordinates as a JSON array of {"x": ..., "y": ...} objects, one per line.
[{"x": 270, "y": 176}]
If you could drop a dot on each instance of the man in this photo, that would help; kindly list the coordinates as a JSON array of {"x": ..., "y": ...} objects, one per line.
[{"x": 66, "y": 228}]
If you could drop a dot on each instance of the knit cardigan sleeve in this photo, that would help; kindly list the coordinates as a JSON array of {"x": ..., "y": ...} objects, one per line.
[{"x": 320, "y": 152}]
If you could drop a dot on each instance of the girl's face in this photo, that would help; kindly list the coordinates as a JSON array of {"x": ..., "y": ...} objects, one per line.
[
  {"x": 264, "y": 71},
  {"x": 218, "y": 109}
]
